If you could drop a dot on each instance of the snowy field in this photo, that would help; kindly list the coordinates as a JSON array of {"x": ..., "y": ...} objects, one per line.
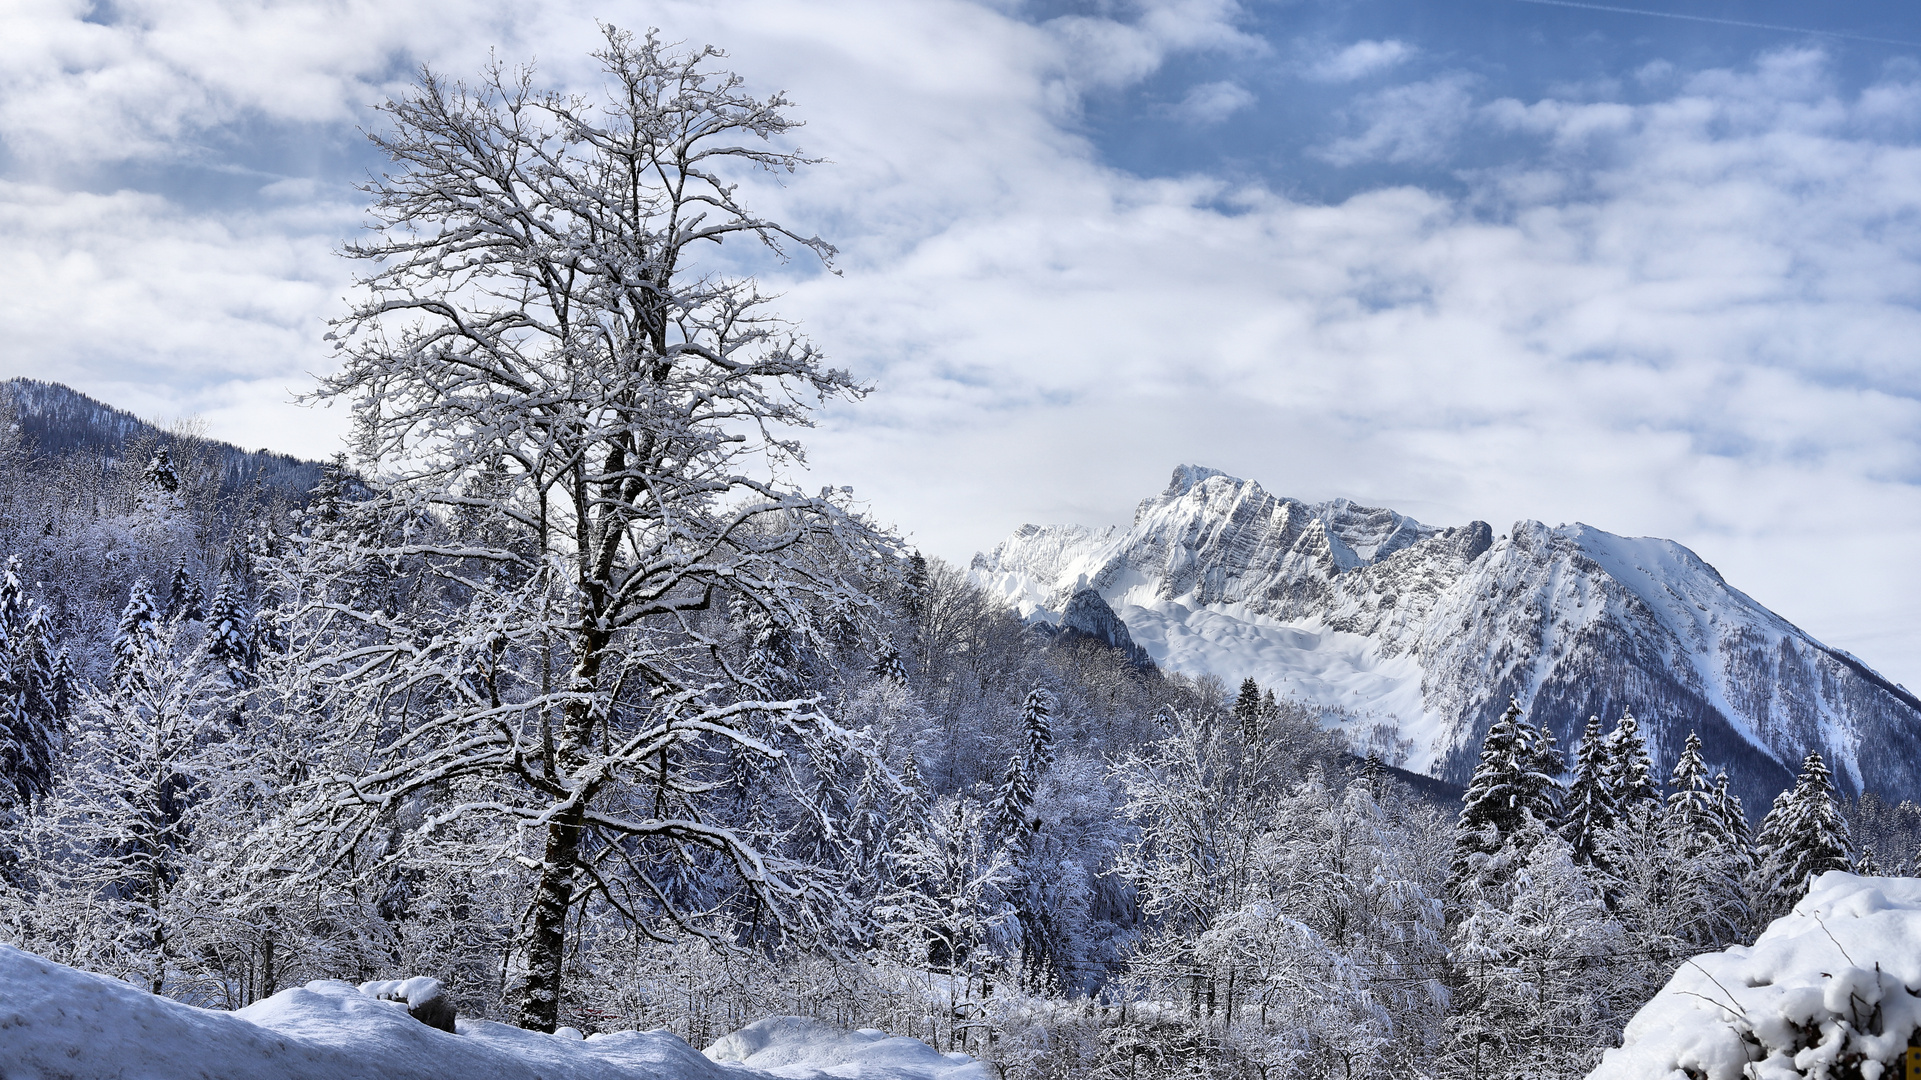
[
  {"x": 1830, "y": 988},
  {"x": 57, "y": 1023}
]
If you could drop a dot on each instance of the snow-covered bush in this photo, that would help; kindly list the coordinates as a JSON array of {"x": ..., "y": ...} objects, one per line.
[{"x": 1831, "y": 990}]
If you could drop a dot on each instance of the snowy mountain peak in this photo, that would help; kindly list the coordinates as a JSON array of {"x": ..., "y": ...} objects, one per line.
[{"x": 1393, "y": 624}]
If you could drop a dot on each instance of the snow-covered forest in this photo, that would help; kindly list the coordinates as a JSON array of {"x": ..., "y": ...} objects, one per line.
[{"x": 556, "y": 693}]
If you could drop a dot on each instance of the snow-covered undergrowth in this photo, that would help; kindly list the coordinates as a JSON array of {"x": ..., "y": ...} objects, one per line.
[
  {"x": 1830, "y": 990},
  {"x": 56, "y": 1021}
]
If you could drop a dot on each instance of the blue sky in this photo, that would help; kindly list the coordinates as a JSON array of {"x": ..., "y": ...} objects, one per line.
[{"x": 1493, "y": 259}]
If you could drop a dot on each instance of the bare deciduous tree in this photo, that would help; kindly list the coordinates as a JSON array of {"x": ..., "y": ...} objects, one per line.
[{"x": 580, "y": 426}]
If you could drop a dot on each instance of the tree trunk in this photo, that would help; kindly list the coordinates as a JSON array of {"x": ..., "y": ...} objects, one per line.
[{"x": 546, "y": 952}]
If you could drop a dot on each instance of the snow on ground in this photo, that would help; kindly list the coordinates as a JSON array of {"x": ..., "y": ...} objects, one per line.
[
  {"x": 1303, "y": 660},
  {"x": 56, "y": 1022},
  {"x": 1838, "y": 979}
]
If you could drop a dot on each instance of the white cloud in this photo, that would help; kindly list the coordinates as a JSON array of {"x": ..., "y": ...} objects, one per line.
[
  {"x": 1691, "y": 317},
  {"x": 1414, "y": 122},
  {"x": 1211, "y": 103},
  {"x": 1359, "y": 60}
]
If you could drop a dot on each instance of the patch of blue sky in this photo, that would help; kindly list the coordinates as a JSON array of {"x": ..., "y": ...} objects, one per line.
[{"x": 1303, "y": 110}]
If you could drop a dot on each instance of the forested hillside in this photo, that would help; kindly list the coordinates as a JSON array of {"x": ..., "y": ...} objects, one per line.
[
  {"x": 581, "y": 710},
  {"x": 1022, "y": 844}
]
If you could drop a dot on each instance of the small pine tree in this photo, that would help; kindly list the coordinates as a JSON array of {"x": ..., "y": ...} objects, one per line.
[
  {"x": 160, "y": 474},
  {"x": 1590, "y": 808},
  {"x": 1036, "y": 721},
  {"x": 139, "y": 628},
  {"x": 184, "y": 598},
  {"x": 1805, "y": 836},
  {"x": 1630, "y": 769},
  {"x": 889, "y": 667},
  {"x": 1513, "y": 784},
  {"x": 1010, "y": 812},
  {"x": 229, "y": 638}
]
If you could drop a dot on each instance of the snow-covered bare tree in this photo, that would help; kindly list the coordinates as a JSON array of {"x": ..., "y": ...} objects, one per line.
[{"x": 540, "y": 350}]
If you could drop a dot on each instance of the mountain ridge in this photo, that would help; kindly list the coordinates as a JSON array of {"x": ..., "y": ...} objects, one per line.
[{"x": 1430, "y": 629}]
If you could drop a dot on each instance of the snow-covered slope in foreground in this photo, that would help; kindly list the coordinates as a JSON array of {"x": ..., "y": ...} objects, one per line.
[
  {"x": 56, "y": 1022},
  {"x": 1837, "y": 982},
  {"x": 1431, "y": 629}
]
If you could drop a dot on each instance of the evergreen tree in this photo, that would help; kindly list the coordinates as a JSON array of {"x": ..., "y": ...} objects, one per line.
[
  {"x": 230, "y": 639},
  {"x": 888, "y": 666},
  {"x": 139, "y": 628},
  {"x": 1630, "y": 769},
  {"x": 1804, "y": 836},
  {"x": 1692, "y": 800},
  {"x": 160, "y": 474},
  {"x": 913, "y": 598},
  {"x": 1247, "y": 710},
  {"x": 1734, "y": 817},
  {"x": 35, "y": 691},
  {"x": 1010, "y": 812},
  {"x": 1590, "y": 808},
  {"x": 184, "y": 598},
  {"x": 1514, "y": 783},
  {"x": 1037, "y": 724}
]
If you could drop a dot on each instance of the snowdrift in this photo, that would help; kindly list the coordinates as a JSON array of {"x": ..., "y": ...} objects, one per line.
[
  {"x": 1830, "y": 988},
  {"x": 56, "y": 1022}
]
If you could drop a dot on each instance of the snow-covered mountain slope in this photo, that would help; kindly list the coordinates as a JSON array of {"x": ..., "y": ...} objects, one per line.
[
  {"x": 56, "y": 1022},
  {"x": 1429, "y": 630}
]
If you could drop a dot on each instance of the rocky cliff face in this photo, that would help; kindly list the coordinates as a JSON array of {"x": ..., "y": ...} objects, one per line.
[{"x": 1425, "y": 632}]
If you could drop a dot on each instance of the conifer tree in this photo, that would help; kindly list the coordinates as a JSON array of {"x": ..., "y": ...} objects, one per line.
[
  {"x": 889, "y": 667},
  {"x": 1691, "y": 798},
  {"x": 34, "y": 695},
  {"x": 185, "y": 601},
  {"x": 1590, "y": 807},
  {"x": 160, "y": 474},
  {"x": 1247, "y": 710},
  {"x": 1038, "y": 726},
  {"x": 1734, "y": 817},
  {"x": 1514, "y": 783},
  {"x": 138, "y": 630},
  {"x": 230, "y": 639},
  {"x": 1013, "y": 802},
  {"x": 1804, "y": 836},
  {"x": 914, "y": 588},
  {"x": 1630, "y": 769}
]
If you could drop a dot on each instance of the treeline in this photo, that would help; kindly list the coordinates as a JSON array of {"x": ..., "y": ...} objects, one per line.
[{"x": 1040, "y": 854}]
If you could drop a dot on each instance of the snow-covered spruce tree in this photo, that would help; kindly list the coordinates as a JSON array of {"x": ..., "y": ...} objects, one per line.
[
  {"x": 184, "y": 598},
  {"x": 1630, "y": 769},
  {"x": 137, "y": 634},
  {"x": 1247, "y": 708},
  {"x": 1803, "y": 836},
  {"x": 1515, "y": 781},
  {"x": 1012, "y": 818},
  {"x": 36, "y": 686},
  {"x": 230, "y": 640},
  {"x": 160, "y": 474},
  {"x": 1038, "y": 726},
  {"x": 1590, "y": 807},
  {"x": 1709, "y": 897},
  {"x": 539, "y": 340}
]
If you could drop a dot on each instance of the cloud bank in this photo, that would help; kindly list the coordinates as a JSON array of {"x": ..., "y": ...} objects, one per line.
[{"x": 1688, "y": 314}]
